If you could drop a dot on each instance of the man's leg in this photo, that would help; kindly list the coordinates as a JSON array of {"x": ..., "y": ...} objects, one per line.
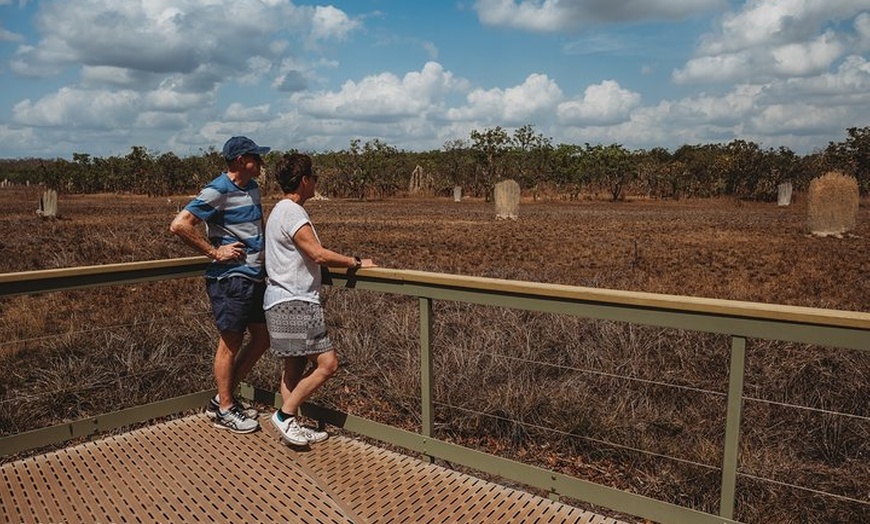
[
  {"x": 228, "y": 347},
  {"x": 248, "y": 356},
  {"x": 227, "y": 416}
]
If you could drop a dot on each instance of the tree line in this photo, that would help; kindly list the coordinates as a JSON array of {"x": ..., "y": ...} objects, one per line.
[{"x": 375, "y": 169}]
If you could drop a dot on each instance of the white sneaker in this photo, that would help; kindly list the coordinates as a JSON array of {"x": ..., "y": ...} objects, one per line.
[
  {"x": 213, "y": 407},
  {"x": 313, "y": 435},
  {"x": 236, "y": 421},
  {"x": 290, "y": 430}
]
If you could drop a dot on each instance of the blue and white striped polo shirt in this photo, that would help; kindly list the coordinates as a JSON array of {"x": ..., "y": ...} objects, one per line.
[{"x": 232, "y": 214}]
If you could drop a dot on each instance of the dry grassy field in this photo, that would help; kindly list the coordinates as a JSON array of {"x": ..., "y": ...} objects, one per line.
[
  {"x": 713, "y": 248},
  {"x": 502, "y": 376}
]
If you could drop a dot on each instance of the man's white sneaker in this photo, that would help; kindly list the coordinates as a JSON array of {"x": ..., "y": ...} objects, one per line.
[
  {"x": 213, "y": 407},
  {"x": 236, "y": 421},
  {"x": 290, "y": 430}
]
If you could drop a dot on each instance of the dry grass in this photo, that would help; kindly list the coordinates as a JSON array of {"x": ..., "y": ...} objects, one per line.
[{"x": 597, "y": 399}]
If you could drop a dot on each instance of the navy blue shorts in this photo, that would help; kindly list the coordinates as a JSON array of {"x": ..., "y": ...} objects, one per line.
[{"x": 236, "y": 302}]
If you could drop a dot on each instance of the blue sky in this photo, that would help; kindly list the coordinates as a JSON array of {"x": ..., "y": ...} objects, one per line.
[{"x": 102, "y": 76}]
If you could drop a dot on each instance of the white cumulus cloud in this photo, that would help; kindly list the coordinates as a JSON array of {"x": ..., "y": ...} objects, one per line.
[
  {"x": 768, "y": 39},
  {"x": 601, "y": 104},
  {"x": 80, "y": 109},
  {"x": 382, "y": 97},
  {"x": 331, "y": 23},
  {"x": 800, "y": 59},
  {"x": 535, "y": 98},
  {"x": 237, "y": 112}
]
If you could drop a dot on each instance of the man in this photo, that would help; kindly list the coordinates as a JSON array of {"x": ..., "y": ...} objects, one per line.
[{"x": 235, "y": 280}]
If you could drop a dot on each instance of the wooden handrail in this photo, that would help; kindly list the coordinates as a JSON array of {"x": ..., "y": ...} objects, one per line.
[{"x": 41, "y": 281}]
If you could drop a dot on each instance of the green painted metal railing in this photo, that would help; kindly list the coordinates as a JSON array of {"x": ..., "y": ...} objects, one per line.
[{"x": 739, "y": 320}]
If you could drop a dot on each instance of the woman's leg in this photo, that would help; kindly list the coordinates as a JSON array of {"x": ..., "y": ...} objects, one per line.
[
  {"x": 294, "y": 395},
  {"x": 290, "y": 377}
]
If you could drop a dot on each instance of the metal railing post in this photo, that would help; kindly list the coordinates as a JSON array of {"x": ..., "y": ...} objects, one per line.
[
  {"x": 732, "y": 427},
  {"x": 426, "y": 370}
]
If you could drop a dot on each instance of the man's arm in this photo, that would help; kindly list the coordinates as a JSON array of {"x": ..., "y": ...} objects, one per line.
[{"x": 188, "y": 227}]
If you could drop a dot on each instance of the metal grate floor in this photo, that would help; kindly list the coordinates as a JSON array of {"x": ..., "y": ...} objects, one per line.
[{"x": 187, "y": 471}]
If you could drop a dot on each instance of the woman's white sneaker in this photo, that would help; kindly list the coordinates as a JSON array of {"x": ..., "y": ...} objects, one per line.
[
  {"x": 313, "y": 435},
  {"x": 290, "y": 430}
]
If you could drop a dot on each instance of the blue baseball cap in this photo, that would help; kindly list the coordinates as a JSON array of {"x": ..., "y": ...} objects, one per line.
[{"x": 242, "y": 145}]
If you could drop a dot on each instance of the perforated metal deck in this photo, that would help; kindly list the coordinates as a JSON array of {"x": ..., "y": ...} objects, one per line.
[{"x": 187, "y": 471}]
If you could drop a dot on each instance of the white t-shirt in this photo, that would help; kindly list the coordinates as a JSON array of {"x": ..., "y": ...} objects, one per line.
[{"x": 290, "y": 275}]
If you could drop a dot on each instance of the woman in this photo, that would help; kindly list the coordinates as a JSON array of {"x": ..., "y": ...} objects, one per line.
[{"x": 292, "y": 302}]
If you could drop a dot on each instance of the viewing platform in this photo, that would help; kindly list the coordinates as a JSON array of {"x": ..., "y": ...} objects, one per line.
[
  {"x": 164, "y": 461},
  {"x": 185, "y": 470}
]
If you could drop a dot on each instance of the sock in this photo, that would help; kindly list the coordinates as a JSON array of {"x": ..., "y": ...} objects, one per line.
[
  {"x": 283, "y": 416},
  {"x": 217, "y": 399}
]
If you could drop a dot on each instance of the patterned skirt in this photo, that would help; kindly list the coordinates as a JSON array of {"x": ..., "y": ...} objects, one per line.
[{"x": 297, "y": 329}]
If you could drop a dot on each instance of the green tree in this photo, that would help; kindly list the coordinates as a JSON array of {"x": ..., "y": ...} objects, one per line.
[
  {"x": 491, "y": 148},
  {"x": 170, "y": 174},
  {"x": 139, "y": 171},
  {"x": 567, "y": 172},
  {"x": 335, "y": 169},
  {"x": 534, "y": 157},
  {"x": 390, "y": 169},
  {"x": 650, "y": 170},
  {"x": 611, "y": 167},
  {"x": 84, "y": 178},
  {"x": 54, "y": 174},
  {"x": 458, "y": 162},
  {"x": 853, "y": 156},
  {"x": 109, "y": 171},
  {"x": 375, "y": 166},
  {"x": 742, "y": 165},
  {"x": 699, "y": 178},
  {"x": 784, "y": 166}
]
